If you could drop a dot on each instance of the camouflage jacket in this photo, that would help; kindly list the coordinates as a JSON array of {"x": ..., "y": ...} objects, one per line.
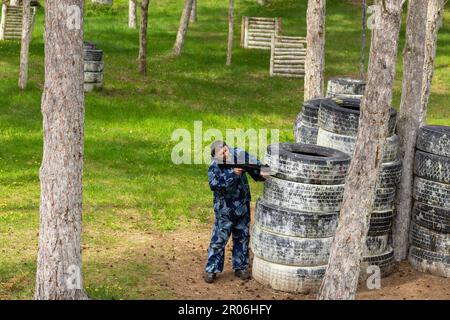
[{"x": 231, "y": 192}]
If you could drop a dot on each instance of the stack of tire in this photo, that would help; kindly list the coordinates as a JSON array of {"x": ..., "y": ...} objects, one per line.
[
  {"x": 296, "y": 218},
  {"x": 306, "y": 126},
  {"x": 345, "y": 88},
  {"x": 430, "y": 230},
  {"x": 338, "y": 123},
  {"x": 93, "y": 67}
]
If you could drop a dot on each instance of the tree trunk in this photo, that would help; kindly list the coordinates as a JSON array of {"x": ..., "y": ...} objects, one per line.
[
  {"x": 132, "y": 17},
  {"x": 315, "y": 51},
  {"x": 193, "y": 17},
  {"x": 363, "y": 39},
  {"x": 58, "y": 273},
  {"x": 434, "y": 21},
  {"x": 230, "y": 32},
  {"x": 143, "y": 38},
  {"x": 25, "y": 44},
  {"x": 342, "y": 275},
  {"x": 410, "y": 119},
  {"x": 182, "y": 30}
]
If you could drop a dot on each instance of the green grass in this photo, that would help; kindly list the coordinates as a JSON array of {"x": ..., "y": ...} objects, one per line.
[{"x": 131, "y": 187}]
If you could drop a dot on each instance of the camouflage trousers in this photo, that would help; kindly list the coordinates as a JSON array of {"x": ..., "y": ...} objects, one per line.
[{"x": 224, "y": 226}]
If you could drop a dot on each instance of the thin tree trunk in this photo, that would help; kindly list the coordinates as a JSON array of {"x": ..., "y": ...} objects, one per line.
[
  {"x": 25, "y": 44},
  {"x": 434, "y": 21},
  {"x": 182, "y": 30},
  {"x": 315, "y": 51},
  {"x": 363, "y": 39},
  {"x": 58, "y": 273},
  {"x": 132, "y": 16},
  {"x": 342, "y": 275},
  {"x": 142, "y": 59},
  {"x": 193, "y": 17},
  {"x": 230, "y": 32},
  {"x": 410, "y": 119}
]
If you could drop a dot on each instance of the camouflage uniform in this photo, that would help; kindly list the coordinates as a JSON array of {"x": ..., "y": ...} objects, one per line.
[{"x": 232, "y": 214}]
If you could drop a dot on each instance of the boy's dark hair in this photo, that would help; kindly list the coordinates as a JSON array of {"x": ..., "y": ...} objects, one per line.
[{"x": 217, "y": 145}]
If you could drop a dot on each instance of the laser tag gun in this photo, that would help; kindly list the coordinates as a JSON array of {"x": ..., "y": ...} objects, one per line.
[{"x": 254, "y": 170}]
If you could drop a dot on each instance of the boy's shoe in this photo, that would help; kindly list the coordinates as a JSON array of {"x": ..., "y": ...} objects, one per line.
[
  {"x": 209, "y": 277},
  {"x": 242, "y": 274}
]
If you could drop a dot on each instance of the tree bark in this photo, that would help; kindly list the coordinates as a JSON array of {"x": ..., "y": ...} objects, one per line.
[
  {"x": 315, "y": 51},
  {"x": 25, "y": 44},
  {"x": 363, "y": 39},
  {"x": 434, "y": 21},
  {"x": 142, "y": 58},
  {"x": 132, "y": 16},
  {"x": 230, "y": 32},
  {"x": 182, "y": 30},
  {"x": 410, "y": 119},
  {"x": 342, "y": 275},
  {"x": 58, "y": 273},
  {"x": 193, "y": 17}
]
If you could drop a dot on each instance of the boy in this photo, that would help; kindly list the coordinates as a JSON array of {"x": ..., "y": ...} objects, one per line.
[{"x": 231, "y": 208}]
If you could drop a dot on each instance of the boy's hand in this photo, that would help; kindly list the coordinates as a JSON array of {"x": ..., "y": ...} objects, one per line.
[{"x": 238, "y": 171}]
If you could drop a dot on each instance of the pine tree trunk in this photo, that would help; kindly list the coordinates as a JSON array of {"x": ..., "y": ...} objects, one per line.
[
  {"x": 434, "y": 21},
  {"x": 230, "y": 32},
  {"x": 132, "y": 16},
  {"x": 58, "y": 273},
  {"x": 193, "y": 17},
  {"x": 315, "y": 51},
  {"x": 25, "y": 44},
  {"x": 410, "y": 119},
  {"x": 363, "y": 40},
  {"x": 342, "y": 275},
  {"x": 142, "y": 59},
  {"x": 182, "y": 30}
]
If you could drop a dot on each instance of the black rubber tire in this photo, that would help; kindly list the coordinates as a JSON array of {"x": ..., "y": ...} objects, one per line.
[
  {"x": 93, "y": 55},
  {"x": 307, "y": 163},
  {"x": 93, "y": 66},
  {"x": 345, "y": 86},
  {"x": 432, "y": 193},
  {"x": 291, "y": 251},
  {"x": 429, "y": 262},
  {"x": 93, "y": 77},
  {"x": 384, "y": 199},
  {"x": 376, "y": 245},
  {"x": 432, "y": 167},
  {"x": 430, "y": 217},
  {"x": 430, "y": 240},
  {"x": 288, "y": 278},
  {"x": 384, "y": 261},
  {"x": 341, "y": 116},
  {"x": 336, "y": 141},
  {"x": 89, "y": 46},
  {"x": 295, "y": 223},
  {"x": 306, "y": 135},
  {"x": 381, "y": 223},
  {"x": 310, "y": 112},
  {"x": 347, "y": 144},
  {"x": 88, "y": 87},
  {"x": 390, "y": 174},
  {"x": 435, "y": 140},
  {"x": 303, "y": 197}
]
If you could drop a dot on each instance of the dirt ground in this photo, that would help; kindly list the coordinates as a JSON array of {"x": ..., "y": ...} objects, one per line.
[{"x": 185, "y": 255}]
